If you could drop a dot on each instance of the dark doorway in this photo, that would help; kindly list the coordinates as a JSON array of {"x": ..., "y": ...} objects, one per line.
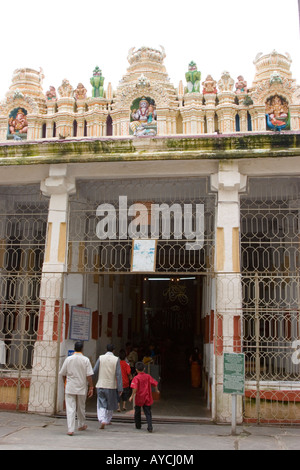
[
  {"x": 170, "y": 321},
  {"x": 109, "y": 126},
  {"x": 165, "y": 325},
  {"x": 172, "y": 324}
]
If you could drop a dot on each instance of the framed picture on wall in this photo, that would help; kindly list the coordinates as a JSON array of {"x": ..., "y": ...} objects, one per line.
[{"x": 143, "y": 257}]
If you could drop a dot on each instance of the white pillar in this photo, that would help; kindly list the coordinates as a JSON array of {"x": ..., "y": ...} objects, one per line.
[
  {"x": 43, "y": 388},
  {"x": 228, "y": 182}
]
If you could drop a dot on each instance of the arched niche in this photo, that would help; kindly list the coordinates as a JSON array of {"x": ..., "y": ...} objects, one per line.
[
  {"x": 277, "y": 113},
  {"x": 143, "y": 117}
]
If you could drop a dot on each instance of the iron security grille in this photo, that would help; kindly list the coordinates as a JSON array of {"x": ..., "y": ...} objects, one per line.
[
  {"x": 184, "y": 201},
  {"x": 271, "y": 296},
  {"x": 23, "y": 220}
]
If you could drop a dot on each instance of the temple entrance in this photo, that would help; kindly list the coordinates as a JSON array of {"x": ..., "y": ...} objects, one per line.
[
  {"x": 169, "y": 323},
  {"x": 161, "y": 321},
  {"x": 165, "y": 309},
  {"x": 172, "y": 326}
]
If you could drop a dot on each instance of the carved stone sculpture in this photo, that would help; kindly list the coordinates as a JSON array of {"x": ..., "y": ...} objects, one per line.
[
  {"x": 241, "y": 85},
  {"x": 18, "y": 123},
  {"x": 65, "y": 90},
  {"x": 277, "y": 113},
  {"x": 226, "y": 83},
  {"x": 193, "y": 77},
  {"x": 97, "y": 82},
  {"x": 143, "y": 118},
  {"x": 209, "y": 85},
  {"x": 80, "y": 92},
  {"x": 51, "y": 94}
]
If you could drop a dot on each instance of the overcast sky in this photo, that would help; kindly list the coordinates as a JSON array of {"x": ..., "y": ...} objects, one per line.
[{"x": 69, "y": 38}]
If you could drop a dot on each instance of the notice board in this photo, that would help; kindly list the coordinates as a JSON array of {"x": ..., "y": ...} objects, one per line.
[
  {"x": 234, "y": 373},
  {"x": 80, "y": 323}
]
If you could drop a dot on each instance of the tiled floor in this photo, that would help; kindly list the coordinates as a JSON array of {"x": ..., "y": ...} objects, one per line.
[
  {"x": 177, "y": 400},
  {"x": 181, "y": 400}
]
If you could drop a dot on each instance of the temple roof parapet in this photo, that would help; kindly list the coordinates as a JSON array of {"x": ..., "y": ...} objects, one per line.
[
  {"x": 267, "y": 64},
  {"x": 201, "y": 105}
]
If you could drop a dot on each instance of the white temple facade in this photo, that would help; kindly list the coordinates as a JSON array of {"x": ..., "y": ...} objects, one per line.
[{"x": 155, "y": 216}]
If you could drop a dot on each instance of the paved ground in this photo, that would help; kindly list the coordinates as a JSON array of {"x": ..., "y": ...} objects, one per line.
[{"x": 20, "y": 431}]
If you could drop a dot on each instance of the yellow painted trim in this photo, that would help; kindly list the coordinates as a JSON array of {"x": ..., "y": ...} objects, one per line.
[
  {"x": 220, "y": 249},
  {"x": 48, "y": 247},
  {"x": 236, "y": 249},
  {"x": 61, "y": 255}
]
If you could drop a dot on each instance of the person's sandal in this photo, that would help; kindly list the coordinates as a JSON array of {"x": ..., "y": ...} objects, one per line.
[{"x": 83, "y": 428}]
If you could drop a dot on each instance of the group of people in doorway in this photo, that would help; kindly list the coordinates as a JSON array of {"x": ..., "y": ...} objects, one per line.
[{"x": 117, "y": 380}]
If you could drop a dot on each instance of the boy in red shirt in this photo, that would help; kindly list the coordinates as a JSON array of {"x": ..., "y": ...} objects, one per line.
[{"x": 142, "y": 393}]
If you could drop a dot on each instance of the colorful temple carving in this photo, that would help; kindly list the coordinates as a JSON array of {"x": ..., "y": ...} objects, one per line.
[{"x": 145, "y": 103}]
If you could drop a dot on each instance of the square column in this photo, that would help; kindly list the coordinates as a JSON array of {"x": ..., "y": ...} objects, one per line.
[
  {"x": 43, "y": 388},
  {"x": 228, "y": 182}
]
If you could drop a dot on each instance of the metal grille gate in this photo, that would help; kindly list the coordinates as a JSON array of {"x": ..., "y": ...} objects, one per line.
[
  {"x": 271, "y": 295},
  {"x": 112, "y": 253},
  {"x": 23, "y": 219}
]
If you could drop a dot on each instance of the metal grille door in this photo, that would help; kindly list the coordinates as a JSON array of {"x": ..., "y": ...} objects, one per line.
[
  {"x": 271, "y": 296},
  {"x": 23, "y": 219}
]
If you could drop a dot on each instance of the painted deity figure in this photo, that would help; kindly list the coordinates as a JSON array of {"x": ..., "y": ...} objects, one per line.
[
  {"x": 151, "y": 114},
  {"x": 241, "y": 85},
  {"x": 209, "y": 85},
  {"x": 277, "y": 113},
  {"x": 19, "y": 123},
  {"x": 97, "y": 82},
  {"x": 193, "y": 77},
  {"x": 51, "y": 94},
  {"x": 80, "y": 92},
  {"x": 141, "y": 114},
  {"x": 143, "y": 118}
]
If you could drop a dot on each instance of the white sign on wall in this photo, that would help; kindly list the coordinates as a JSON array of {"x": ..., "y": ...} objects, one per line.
[
  {"x": 143, "y": 255},
  {"x": 80, "y": 323}
]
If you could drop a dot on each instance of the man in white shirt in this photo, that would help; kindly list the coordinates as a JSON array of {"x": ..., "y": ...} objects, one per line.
[
  {"x": 109, "y": 385},
  {"x": 76, "y": 372}
]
